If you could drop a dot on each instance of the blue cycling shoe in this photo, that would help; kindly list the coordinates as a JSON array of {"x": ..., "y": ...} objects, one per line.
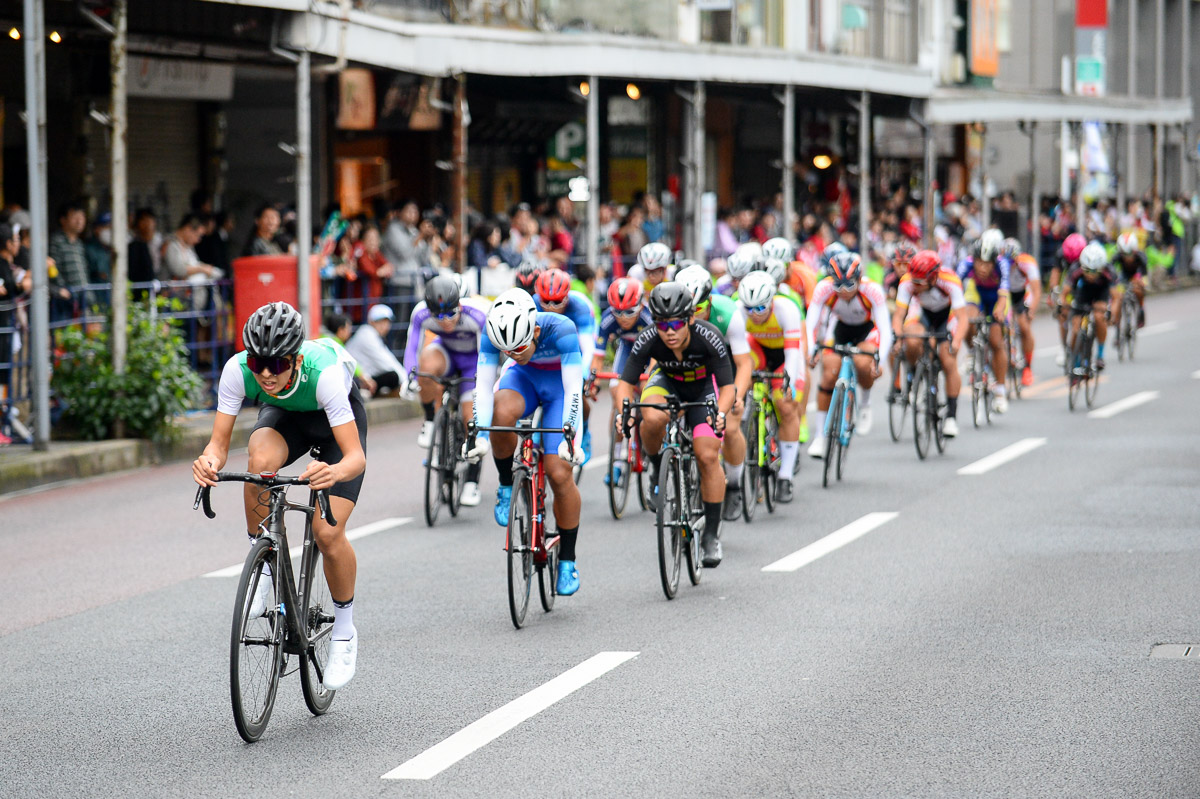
[
  {"x": 587, "y": 445},
  {"x": 614, "y": 472},
  {"x": 503, "y": 500},
  {"x": 568, "y": 578}
]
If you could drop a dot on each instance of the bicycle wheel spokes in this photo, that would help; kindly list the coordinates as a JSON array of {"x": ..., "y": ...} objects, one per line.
[
  {"x": 770, "y": 448},
  {"x": 695, "y": 523},
  {"x": 256, "y": 645},
  {"x": 454, "y": 473},
  {"x": 898, "y": 405},
  {"x": 669, "y": 521},
  {"x": 921, "y": 417},
  {"x": 751, "y": 473},
  {"x": 1092, "y": 383},
  {"x": 434, "y": 490},
  {"x": 848, "y": 417},
  {"x": 520, "y": 550},
  {"x": 317, "y": 612},
  {"x": 618, "y": 473},
  {"x": 833, "y": 424},
  {"x": 937, "y": 408}
]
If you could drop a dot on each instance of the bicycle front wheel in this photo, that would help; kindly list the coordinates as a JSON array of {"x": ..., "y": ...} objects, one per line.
[
  {"x": 937, "y": 408},
  {"x": 618, "y": 472},
  {"x": 520, "y": 549},
  {"x": 922, "y": 428},
  {"x": 547, "y": 576},
  {"x": 898, "y": 404},
  {"x": 669, "y": 521},
  {"x": 434, "y": 490},
  {"x": 1076, "y": 366},
  {"x": 317, "y": 613},
  {"x": 833, "y": 440},
  {"x": 751, "y": 471},
  {"x": 1092, "y": 384},
  {"x": 770, "y": 472},
  {"x": 455, "y": 473},
  {"x": 848, "y": 417},
  {"x": 695, "y": 522},
  {"x": 256, "y": 645}
]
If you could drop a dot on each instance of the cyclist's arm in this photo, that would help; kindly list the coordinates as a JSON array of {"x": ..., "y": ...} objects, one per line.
[
  {"x": 879, "y": 312},
  {"x": 485, "y": 379},
  {"x": 901, "y": 311},
  {"x": 353, "y": 461},
  {"x": 571, "y": 369},
  {"x": 413, "y": 344},
  {"x": 814, "y": 320},
  {"x": 739, "y": 348}
]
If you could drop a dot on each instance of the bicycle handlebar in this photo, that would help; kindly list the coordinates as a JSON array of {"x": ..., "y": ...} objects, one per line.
[
  {"x": 843, "y": 349},
  {"x": 268, "y": 480},
  {"x": 448, "y": 382},
  {"x": 567, "y": 431}
]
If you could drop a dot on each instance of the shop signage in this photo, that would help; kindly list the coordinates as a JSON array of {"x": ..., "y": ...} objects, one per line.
[{"x": 179, "y": 80}]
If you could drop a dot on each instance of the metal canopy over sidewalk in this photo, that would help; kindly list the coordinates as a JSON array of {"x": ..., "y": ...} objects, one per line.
[
  {"x": 966, "y": 106},
  {"x": 442, "y": 50}
]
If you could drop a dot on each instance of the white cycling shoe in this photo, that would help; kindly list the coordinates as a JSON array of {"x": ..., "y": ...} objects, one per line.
[
  {"x": 863, "y": 425},
  {"x": 342, "y": 658},
  {"x": 258, "y": 604},
  {"x": 817, "y": 448},
  {"x": 1000, "y": 405},
  {"x": 426, "y": 435},
  {"x": 950, "y": 427},
  {"x": 470, "y": 495}
]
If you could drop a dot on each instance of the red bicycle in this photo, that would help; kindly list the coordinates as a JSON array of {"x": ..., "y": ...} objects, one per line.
[
  {"x": 526, "y": 542},
  {"x": 625, "y": 461}
]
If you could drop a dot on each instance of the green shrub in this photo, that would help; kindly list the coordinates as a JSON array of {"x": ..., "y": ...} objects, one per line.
[{"x": 157, "y": 385}]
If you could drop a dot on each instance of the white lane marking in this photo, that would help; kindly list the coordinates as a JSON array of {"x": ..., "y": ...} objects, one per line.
[
  {"x": 1009, "y": 453},
  {"x": 1161, "y": 327},
  {"x": 1042, "y": 352},
  {"x": 1132, "y": 401},
  {"x": 835, "y": 540},
  {"x": 1196, "y": 375},
  {"x": 438, "y": 758},
  {"x": 351, "y": 535},
  {"x": 596, "y": 463}
]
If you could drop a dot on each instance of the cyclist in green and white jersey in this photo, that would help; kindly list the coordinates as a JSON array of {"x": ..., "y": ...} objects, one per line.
[{"x": 309, "y": 399}]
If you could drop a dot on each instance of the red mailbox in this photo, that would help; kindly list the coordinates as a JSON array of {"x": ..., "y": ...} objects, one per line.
[{"x": 261, "y": 279}]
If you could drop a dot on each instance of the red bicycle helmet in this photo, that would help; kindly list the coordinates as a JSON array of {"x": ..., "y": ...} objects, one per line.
[
  {"x": 1072, "y": 246},
  {"x": 553, "y": 285},
  {"x": 624, "y": 294},
  {"x": 905, "y": 252},
  {"x": 924, "y": 265}
]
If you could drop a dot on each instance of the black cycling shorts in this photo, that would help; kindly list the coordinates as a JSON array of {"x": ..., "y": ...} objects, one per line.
[
  {"x": 1088, "y": 295},
  {"x": 852, "y": 334},
  {"x": 935, "y": 322},
  {"x": 1017, "y": 303},
  {"x": 659, "y": 383},
  {"x": 302, "y": 431}
]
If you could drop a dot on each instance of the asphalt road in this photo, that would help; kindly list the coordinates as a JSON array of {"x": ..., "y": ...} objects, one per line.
[{"x": 992, "y": 638}]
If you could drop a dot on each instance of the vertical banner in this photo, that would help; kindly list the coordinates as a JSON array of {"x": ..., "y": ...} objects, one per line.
[{"x": 985, "y": 55}]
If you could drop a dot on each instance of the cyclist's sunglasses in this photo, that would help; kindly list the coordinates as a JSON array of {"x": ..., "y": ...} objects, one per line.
[
  {"x": 702, "y": 307},
  {"x": 627, "y": 313},
  {"x": 845, "y": 285},
  {"x": 673, "y": 324},
  {"x": 446, "y": 315},
  {"x": 276, "y": 366},
  {"x": 759, "y": 309},
  {"x": 518, "y": 350}
]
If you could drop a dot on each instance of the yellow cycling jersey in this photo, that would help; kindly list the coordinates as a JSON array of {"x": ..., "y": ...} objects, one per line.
[{"x": 783, "y": 329}]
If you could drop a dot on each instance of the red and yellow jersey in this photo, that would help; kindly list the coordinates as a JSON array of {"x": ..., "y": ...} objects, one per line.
[
  {"x": 783, "y": 329},
  {"x": 803, "y": 279},
  {"x": 945, "y": 291}
]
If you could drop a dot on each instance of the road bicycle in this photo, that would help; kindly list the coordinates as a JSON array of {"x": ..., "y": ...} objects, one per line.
[
  {"x": 926, "y": 396},
  {"x": 839, "y": 421},
  {"x": 1082, "y": 363},
  {"x": 445, "y": 468},
  {"x": 526, "y": 544},
  {"x": 980, "y": 377},
  {"x": 1127, "y": 330},
  {"x": 298, "y": 615},
  {"x": 760, "y": 477},
  {"x": 626, "y": 463},
  {"x": 679, "y": 508},
  {"x": 899, "y": 395},
  {"x": 1016, "y": 358}
]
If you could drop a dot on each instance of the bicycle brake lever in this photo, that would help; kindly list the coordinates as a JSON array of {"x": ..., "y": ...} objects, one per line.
[
  {"x": 326, "y": 511},
  {"x": 202, "y": 497}
]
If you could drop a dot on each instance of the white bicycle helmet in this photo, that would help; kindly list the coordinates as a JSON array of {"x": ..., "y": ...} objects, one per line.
[
  {"x": 739, "y": 264},
  {"x": 776, "y": 268},
  {"x": 990, "y": 244},
  {"x": 654, "y": 255},
  {"x": 1094, "y": 257},
  {"x": 758, "y": 288},
  {"x": 777, "y": 247},
  {"x": 1127, "y": 243},
  {"x": 752, "y": 250},
  {"x": 511, "y": 324},
  {"x": 698, "y": 281}
]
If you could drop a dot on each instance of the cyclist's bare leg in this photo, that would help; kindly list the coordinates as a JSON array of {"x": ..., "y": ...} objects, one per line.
[
  {"x": 734, "y": 446},
  {"x": 431, "y": 360},
  {"x": 1139, "y": 289},
  {"x": 831, "y": 364},
  {"x": 560, "y": 475},
  {"x": 1101, "y": 323},
  {"x": 865, "y": 366},
  {"x": 654, "y": 426},
  {"x": 1025, "y": 328},
  {"x": 341, "y": 564},
  {"x": 950, "y": 369},
  {"x": 999, "y": 354},
  {"x": 712, "y": 478},
  {"x": 913, "y": 346},
  {"x": 268, "y": 452},
  {"x": 509, "y": 407},
  {"x": 789, "y": 417}
]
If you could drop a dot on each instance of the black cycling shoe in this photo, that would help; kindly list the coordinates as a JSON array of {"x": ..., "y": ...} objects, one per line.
[
  {"x": 733, "y": 503},
  {"x": 783, "y": 491},
  {"x": 710, "y": 547}
]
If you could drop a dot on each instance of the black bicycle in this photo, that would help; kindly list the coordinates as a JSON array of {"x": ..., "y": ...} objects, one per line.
[
  {"x": 445, "y": 468},
  {"x": 927, "y": 400},
  {"x": 679, "y": 507},
  {"x": 276, "y": 615},
  {"x": 980, "y": 377},
  {"x": 1082, "y": 363},
  {"x": 899, "y": 395}
]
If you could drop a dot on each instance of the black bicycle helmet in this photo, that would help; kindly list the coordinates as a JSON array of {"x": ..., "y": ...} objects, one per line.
[
  {"x": 441, "y": 295},
  {"x": 275, "y": 330},
  {"x": 670, "y": 301}
]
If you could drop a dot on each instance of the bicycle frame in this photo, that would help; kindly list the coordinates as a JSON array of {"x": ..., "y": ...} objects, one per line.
[{"x": 764, "y": 403}]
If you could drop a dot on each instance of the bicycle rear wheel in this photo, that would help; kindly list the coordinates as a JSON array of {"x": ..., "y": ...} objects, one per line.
[
  {"x": 618, "y": 472},
  {"x": 937, "y": 408},
  {"x": 978, "y": 389},
  {"x": 770, "y": 472},
  {"x": 520, "y": 549},
  {"x": 1092, "y": 383},
  {"x": 695, "y": 522},
  {"x": 547, "y": 577},
  {"x": 922, "y": 432},
  {"x": 317, "y": 613},
  {"x": 669, "y": 518},
  {"x": 434, "y": 490},
  {"x": 848, "y": 417},
  {"x": 751, "y": 472},
  {"x": 898, "y": 405},
  {"x": 256, "y": 645},
  {"x": 833, "y": 441},
  {"x": 1075, "y": 365},
  {"x": 1131, "y": 339},
  {"x": 455, "y": 473}
]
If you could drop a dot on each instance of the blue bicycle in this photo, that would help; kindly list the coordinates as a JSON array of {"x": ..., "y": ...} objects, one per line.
[{"x": 839, "y": 422}]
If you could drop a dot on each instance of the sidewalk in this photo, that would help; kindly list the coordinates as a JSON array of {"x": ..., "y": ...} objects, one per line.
[{"x": 22, "y": 468}]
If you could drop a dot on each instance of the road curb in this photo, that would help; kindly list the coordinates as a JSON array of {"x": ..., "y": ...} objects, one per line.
[{"x": 22, "y": 469}]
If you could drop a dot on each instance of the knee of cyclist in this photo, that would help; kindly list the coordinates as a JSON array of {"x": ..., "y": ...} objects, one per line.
[
  {"x": 327, "y": 536},
  {"x": 260, "y": 461},
  {"x": 708, "y": 458}
]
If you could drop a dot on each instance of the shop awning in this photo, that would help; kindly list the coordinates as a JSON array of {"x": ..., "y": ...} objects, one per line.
[{"x": 964, "y": 106}]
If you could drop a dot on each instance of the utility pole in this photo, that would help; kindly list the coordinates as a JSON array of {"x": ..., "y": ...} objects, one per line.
[
  {"x": 119, "y": 335},
  {"x": 35, "y": 137}
]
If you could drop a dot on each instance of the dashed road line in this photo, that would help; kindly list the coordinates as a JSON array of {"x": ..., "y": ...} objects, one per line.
[
  {"x": 438, "y": 758},
  {"x": 1122, "y": 405},
  {"x": 1001, "y": 457},
  {"x": 835, "y": 540},
  {"x": 351, "y": 535}
]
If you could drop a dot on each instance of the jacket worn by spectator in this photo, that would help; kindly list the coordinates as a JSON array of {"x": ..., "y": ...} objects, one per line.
[{"x": 372, "y": 353}]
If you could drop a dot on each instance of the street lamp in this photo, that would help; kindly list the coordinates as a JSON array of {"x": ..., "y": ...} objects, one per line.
[{"x": 633, "y": 91}]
